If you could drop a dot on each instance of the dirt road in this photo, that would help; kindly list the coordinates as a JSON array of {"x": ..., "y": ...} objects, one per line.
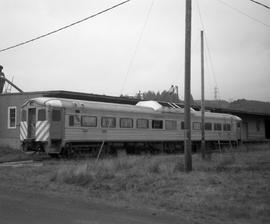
[{"x": 17, "y": 206}]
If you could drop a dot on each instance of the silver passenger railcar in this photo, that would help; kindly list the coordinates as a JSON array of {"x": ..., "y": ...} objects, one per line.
[{"x": 57, "y": 125}]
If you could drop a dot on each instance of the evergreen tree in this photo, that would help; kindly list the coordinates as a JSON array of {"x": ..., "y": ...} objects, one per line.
[{"x": 166, "y": 96}]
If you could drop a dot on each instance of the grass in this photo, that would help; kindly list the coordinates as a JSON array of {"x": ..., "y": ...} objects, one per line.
[
  {"x": 232, "y": 187},
  {"x": 8, "y": 154}
]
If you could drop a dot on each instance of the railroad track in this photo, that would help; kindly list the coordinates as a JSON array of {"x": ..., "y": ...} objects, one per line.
[
  {"x": 38, "y": 158},
  {"x": 21, "y": 163}
]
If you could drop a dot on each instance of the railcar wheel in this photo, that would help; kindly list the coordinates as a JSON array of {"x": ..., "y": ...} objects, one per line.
[
  {"x": 67, "y": 151},
  {"x": 25, "y": 146},
  {"x": 39, "y": 148},
  {"x": 22, "y": 147},
  {"x": 54, "y": 155}
]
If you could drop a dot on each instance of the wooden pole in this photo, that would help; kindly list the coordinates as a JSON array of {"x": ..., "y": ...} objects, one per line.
[
  {"x": 202, "y": 96},
  {"x": 177, "y": 93},
  {"x": 3, "y": 80},
  {"x": 188, "y": 156},
  {"x": 12, "y": 84},
  {"x": 100, "y": 149}
]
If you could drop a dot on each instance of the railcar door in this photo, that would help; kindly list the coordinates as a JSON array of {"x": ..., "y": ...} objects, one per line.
[
  {"x": 31, "y": 122},
  {"x": 244, "y": 131},
  {"x": 57, "y": 120},
  {"x": 238, "y": 130}
]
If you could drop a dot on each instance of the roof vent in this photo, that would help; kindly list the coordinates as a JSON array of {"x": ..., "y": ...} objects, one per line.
[{"x": 150, "y": 104}]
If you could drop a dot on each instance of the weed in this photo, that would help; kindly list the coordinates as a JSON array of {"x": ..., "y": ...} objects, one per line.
[
  {"x": 179, "y": 167},
  {"x": 232, "y": 185},
  {"x": 225, "y": 161},
  {"x": 154, "y": 168}
]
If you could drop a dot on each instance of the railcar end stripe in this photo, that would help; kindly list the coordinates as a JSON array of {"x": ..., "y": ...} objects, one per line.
[
  {"x": 43, "y": 136},
  {"x": 23, "y": 130},
  {"x": 39, "y": 127},
  {"x": 42, "y": 131}
]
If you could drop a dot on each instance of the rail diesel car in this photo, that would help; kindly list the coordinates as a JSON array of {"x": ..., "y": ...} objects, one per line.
[{"x": 64, "y": 126}]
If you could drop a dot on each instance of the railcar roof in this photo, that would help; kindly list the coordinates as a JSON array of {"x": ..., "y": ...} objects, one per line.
[
  {"x": 217, "y": 115},
  {"x": 80, "y": 104},
  {"x": 95, "y": 105}
]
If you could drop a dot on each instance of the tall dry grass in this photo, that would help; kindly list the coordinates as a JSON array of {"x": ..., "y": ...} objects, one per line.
[
  {"x": 87, "y": 171},
  {"x": 234, "y": 184}
]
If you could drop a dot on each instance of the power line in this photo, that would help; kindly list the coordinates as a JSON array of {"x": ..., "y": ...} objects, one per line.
[
  {"x": 200, "y": 15},
  {"x": 259, "y": 3},
  {"x": 137, "y": 46},
  {"x": 207, "y": 45},
  {"x": 243, "y": 13},
  {"x": 64, "y": 27}
]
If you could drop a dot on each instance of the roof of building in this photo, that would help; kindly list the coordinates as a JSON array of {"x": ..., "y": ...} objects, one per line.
[
  {"x": 127, "y": 100},
  {"x": 237, "y": 112},
  {"x": 78, "y": 96}
]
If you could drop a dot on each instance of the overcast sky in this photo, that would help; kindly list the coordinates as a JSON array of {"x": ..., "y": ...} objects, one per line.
[{"x": 97, "y": 56}]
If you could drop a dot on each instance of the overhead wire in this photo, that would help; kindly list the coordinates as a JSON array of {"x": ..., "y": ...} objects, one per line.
[
  {"x": 142, "y": 32},
  {"x": 243, "y": 13},
  {"x": 64, "y": 27},
  {"x": 137, "y": 46},
  {"x": 210, "y": 63},
  {"x": 239, "y": 11},
  {"x": 261, "y": 4},
  {"x": 194, "y": 47}
]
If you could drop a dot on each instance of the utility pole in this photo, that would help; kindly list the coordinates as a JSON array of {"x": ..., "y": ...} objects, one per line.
[
  {"x": 202, "y": 96},
  {"x": 216, "y": 92},
  {"x": 177, "y": 93},
  {"x": 187, "y": 124}
]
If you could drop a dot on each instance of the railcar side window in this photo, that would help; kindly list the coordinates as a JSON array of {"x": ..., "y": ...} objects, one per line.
[
  {"x": 126, "y": 123},
  {"x": 208, "y": 126},
  {"x": 217, "y": 126},
  {"x": 142, "y": 123},
  {"x": 258, "y": 125},
  {"x": 42, "y": 115},
  {"x": 196, "y": 126},
  {"x": 108, "y": 122},
  {"x": 56, "y": 115},
  {"x": 71, "y": 120},
  {"x": 23, "y": 115},
  {"x": 170, "y": 125},
  {"x": 89, "y": 121},
  {"x": 182, "y": 125},
  {"x": 226, "y": 127},
  {"x": 157, "y": 124}
]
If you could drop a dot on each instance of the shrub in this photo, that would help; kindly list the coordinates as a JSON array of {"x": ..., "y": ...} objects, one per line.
[
  {"x": 154, "y": 168},
  {"x": 225, "y": 161},
  {"x": 179, "y": 167},
  {"x": 77, "y": 175}
]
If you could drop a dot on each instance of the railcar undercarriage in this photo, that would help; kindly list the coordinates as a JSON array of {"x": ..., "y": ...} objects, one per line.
[{"x": 99, "y": 148}]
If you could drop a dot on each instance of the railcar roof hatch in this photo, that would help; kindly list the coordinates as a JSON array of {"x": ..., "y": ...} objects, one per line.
[
  {"x": 156, "y": 106},
  {"x": 150, "y": 104}
]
